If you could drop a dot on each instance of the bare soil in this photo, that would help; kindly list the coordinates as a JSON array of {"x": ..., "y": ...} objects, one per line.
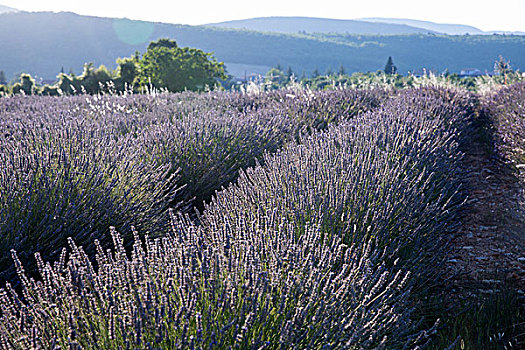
[{"x": 489, "y": 249}]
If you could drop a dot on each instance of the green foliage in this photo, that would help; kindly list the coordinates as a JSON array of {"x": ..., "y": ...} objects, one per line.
[
  {"x": 398, "y": 81},
  {"x": 358, "y": 81},
  {"x": 163, "y": 66},
  {"x": 164, "y": 42},
  {"x": 166, "y": 66},
  {"x": 275, "y": 77},
  {"x": 289, "y": 73},
  {"x": 303, "y": 52},
  {"x": 3, "y": 80},
  {"x": 50, "y": 91},
  {"x": 390, "y": 67},
  {"x": 94, "y": 80},
  {"x": 127, "y": 72},
  {"x": 66, "y": 84},
  {"x": 502, "y": 68},
  {"x": 26, "y": 85},
  {"x": 341, "y": 70},
  {"x": 493, "y": 322},
  {"x": 4, "y": 90}
]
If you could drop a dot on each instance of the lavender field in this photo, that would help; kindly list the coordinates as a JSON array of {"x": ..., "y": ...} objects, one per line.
[{"x": 287, "y": 219}]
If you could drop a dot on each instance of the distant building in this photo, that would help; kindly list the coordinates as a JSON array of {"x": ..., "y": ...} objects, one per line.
[{"x": 470, "y": 72}]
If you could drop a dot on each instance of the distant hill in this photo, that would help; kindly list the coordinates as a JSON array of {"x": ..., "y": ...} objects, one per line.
[
  {"x": 5, "y": 9},
  {"x": 318, "y": 25},
  {"x": 503, "y": 32},
  {"x": 43, "y": 43},
  {"x": 451, "y": 29}
]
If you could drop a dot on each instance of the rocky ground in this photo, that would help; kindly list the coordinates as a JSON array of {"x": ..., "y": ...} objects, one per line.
[
  {"x": 490, "y": 245},
  {"x": 488, "y": 252}
]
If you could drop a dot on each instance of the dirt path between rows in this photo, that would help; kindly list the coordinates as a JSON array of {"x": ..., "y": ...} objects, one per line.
[{"x": 489, "y": 251}]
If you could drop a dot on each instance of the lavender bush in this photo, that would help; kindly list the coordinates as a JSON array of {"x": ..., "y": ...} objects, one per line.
[
  {"x": 320, "y": 246},
  {"x": 391, "y": 175},
  {"x": 64, "y": 177},
  {"x": 73, "y": 166},
  {"x": 210, "y": 146},
  {"x": 507, "y": 111}
]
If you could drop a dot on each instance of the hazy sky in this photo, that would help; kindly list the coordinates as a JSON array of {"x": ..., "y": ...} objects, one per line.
[{"x": 486, "y": 15}]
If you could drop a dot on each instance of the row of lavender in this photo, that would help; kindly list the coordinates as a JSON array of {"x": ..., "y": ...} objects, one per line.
[
  {"x": 507, "y": 111},
  {"x": 320, "y": 246},
  {"x": 73, "y": 166}
]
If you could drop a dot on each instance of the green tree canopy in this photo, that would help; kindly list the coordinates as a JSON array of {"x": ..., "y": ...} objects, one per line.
[
  {"x": 164, "y": 42},
  {"x": 66, "y": 84},
  {"x": 341, "y": 70},
  {"x": 502, "y": 67},
  {"x": 165, "y": 65},
  {"x": 26, "y": 84},
  {"x": 390, "y": 67},
  {"x": 93, "y": 80},
  {"x": 289, "y": 73},
  {"x": 127, "y": 71}
]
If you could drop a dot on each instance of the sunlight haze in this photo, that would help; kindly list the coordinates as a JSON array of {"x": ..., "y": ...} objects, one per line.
[{"x": 505, "y": 15}]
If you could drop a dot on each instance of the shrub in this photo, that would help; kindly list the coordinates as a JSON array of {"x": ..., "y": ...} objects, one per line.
[
  {"x": 310, "y": 249},
  {"x": 507, "y": 111},
  {"x": 73, "y": 166}
]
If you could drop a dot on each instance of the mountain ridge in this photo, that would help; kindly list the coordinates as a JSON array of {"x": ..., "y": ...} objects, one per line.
[
  {"x": 364, "y": 26},
  {"x": 7, "y": 9},
  {"x": 443, "y": 28},
  {"x": 44, "y": 43},
  {"x": 295, "y": 24}
]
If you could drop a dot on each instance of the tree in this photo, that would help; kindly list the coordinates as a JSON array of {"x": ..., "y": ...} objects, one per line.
[
  {"x": 289, "y": 73},
  {"x": 342, "y": 70},
  {"x": 276, "y": 77},
  {"x": 164, "y": 42},
  {"x": 49, "y": 91},
  {"x": 87, "y": 79},
  {"x": 127, "y": 71},
  {"x": 165, "y": 65},
  {"x": 26, "y": 84},
  {"x": 92, "y": 80},
  {"x": 502, "y": 67},
  {"x": 3, "y": 80},
  {"x": 68, "y": 84},
  {"x": 390, "y": 67},
  {"x": 95, "y": 80}
]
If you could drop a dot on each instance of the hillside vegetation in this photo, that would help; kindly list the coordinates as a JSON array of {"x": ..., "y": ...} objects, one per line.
[
  {"x": 293, "y": 25},
  {"x": 42, "y": 44}
]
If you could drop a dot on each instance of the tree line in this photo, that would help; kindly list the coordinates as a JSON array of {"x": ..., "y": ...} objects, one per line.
[
  {"x": 277, "y": 77},
  {"x": 164, "y": 66}
]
